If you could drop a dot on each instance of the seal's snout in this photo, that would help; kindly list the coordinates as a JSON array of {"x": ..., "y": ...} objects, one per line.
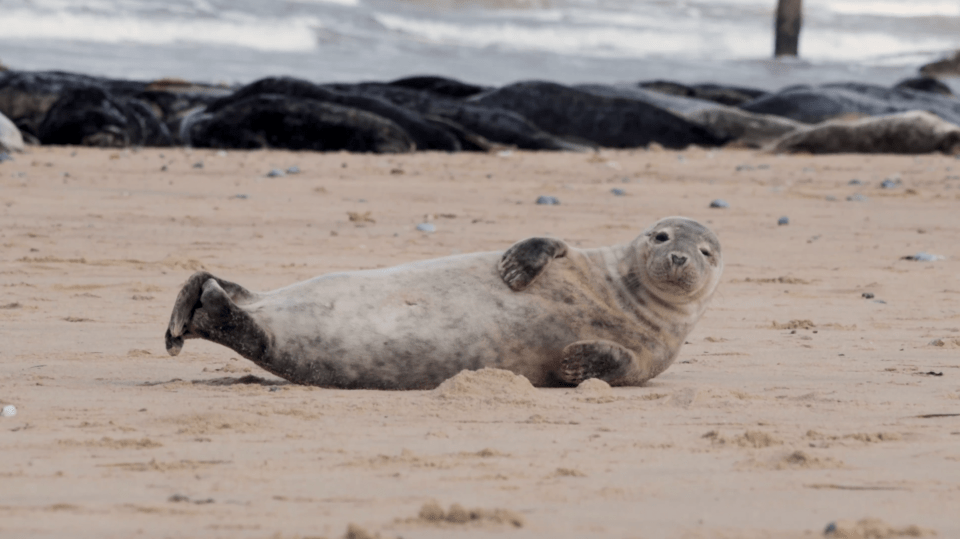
[{"x": 678, "y": 260}]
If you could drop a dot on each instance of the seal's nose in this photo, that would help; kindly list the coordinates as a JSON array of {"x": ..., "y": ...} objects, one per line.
[{"x": 678, "y": 260}]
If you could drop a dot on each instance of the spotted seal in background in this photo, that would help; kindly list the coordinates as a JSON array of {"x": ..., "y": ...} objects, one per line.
[{"x": 553, "y": 313}]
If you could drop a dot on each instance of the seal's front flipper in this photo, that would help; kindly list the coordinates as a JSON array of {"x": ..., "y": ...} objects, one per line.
[
  {"x": 525, "y": 260},
  {"x": 605, "y": 360},
  {"x": 206, "y": 308}
]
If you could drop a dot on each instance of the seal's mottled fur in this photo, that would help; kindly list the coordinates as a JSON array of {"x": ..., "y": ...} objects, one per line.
[{"x": 543, "y": 309}]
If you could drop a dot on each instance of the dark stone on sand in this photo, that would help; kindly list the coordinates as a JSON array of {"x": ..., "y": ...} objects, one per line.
[
  {"x": 783, "y": 221},
  {"x": 276, "y": 121},
  {"x": 617, "y": 192},
  {"x": 890, "y": 184},
  {"x": 439, "y": 85},
  {"x": 719, "y": 203},
  {"x": 545, "y": 200},
  {"x": 475, "y": 121},
  {"x": 867, "y": 295},
  {"x": 724, "y": 95},
  {"x": 925, "y": 84},
  {"x": 606, "y": 121},
  {"x": 813, "y": 104},
  {"x": 426, "y": 135},
  {"x": 92, "y": 117}
]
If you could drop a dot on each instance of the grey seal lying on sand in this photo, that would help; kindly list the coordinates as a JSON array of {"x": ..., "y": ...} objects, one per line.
[{"x": 555, "y": 314}]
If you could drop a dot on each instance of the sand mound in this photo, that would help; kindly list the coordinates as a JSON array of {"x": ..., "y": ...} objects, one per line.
[
  {"x": 488, "y": 384},
  {"x": 794, "y": 324},
  {"x": 432, "y": 513},
  {"x": 873, "y": 528},
  {"x": 594, "y": 387},
  {"x": 751, "y": 438},
  {"x": 800, "y": 459}
]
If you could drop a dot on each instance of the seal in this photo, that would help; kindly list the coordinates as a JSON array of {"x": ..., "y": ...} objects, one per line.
[
  {"x": 912, "y": 132},
  {"x": 553, "y": 313}
]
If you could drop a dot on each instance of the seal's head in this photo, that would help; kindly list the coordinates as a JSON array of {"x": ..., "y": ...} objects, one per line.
[{"x": 679, "y": 260}]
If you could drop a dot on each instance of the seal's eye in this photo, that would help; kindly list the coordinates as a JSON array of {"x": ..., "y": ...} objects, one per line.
[
  {"x": 705, "y": 252},
  {"x": 662, "y": 237}
]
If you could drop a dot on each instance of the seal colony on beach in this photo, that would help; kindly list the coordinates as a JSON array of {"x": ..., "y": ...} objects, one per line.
[{"x": 555, "y": 314}]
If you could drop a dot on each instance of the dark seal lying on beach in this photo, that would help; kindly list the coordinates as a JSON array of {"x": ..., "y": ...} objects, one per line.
[
  {"x": 610, "y": 122},
  {"x": 813, "y": 104},
  {"x": 293, "y": 94},
  {"x": 442, "y": 114},
  {"x": 556, "y": 314}
]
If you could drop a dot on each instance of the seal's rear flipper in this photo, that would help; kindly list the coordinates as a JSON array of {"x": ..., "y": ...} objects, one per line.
[
  {"x": 206, "y": 308},
  {"x": 605, "y": 360},
  {"x": 525, "y": 260}
]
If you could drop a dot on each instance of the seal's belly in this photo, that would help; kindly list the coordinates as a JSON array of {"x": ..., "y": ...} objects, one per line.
[{"x": 418, "y": 324}]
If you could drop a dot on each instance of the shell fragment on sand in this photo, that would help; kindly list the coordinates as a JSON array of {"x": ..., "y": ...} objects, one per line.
[{"x": 8, "y": 411}]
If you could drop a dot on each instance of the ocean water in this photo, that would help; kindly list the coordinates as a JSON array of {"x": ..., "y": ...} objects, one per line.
[{"x": 482, "y": 41}]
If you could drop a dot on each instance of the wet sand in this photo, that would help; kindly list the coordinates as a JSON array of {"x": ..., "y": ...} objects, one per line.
[{"x": 796, "y": 402}]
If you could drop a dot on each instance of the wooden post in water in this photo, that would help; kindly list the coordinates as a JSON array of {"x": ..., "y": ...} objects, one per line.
[{"x": 787, "y": 28}]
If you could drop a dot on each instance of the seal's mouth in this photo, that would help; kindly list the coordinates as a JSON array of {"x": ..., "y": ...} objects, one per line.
[{"x": 676, "y": 274}]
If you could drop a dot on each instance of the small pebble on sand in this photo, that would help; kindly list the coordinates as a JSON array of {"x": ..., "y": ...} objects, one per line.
[
  {"x": 889, "y": 184},
  {"x": 867, "y": 295},
  {"x": 618, "y": 192},
  {"x": 857, "y": 197},
  {"x": 274, "y": 173},
  {"x": 719, "y": 203},
  {"x": 198, "y": 164},
  {"x": 547, "y": 200},
  {"x": 8, "y": 411},
  {"x": 426, "y": 227},
  {"x": 783, "y": 221},
  {"x": 293, "y": 170}
]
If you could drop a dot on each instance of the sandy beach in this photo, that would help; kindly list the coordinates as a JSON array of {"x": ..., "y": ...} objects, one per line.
[{"x": 796, "y": 403}]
